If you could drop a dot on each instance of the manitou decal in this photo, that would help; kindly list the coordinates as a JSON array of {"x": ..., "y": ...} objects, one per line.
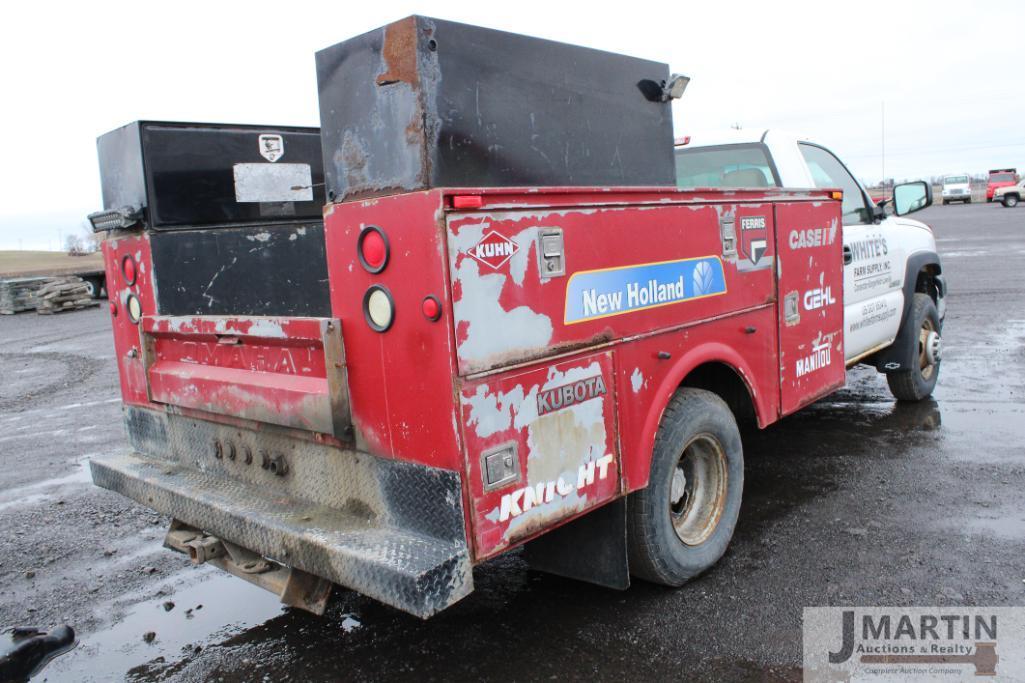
[
  {"x": 570, "y": 394},
  {"x": 522, "y": 499},
  {"x": 593, "y": 294},
  {"x": 821, "y": 356},
  {"x": 493, "y": 250}
]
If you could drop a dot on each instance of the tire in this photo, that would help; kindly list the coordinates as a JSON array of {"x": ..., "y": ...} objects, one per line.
[
  {"x": 95, "y": 287},
  {"x": 944, "y": 202},
  {"x": 918, "y": 382},
  {"x": 697, "y": 449},
  {"x": 968, "y": 201},
  {"x": 1010, "y": 200}
]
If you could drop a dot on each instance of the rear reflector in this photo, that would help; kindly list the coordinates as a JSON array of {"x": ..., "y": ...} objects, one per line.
[
  {"x": 431, "y": 308},
  {"x": 378, "y": 308},
  {"x": 373, "y": 249},
  {"x": 134, "y": 308},
  {"x": 128, "y": 270}
]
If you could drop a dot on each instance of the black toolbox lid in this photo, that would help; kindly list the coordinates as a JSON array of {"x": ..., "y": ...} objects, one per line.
[{"x": 202, "y": 174}]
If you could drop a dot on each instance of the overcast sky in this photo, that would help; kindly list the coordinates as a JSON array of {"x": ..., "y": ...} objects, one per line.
[{"x": 950, "y": 75}]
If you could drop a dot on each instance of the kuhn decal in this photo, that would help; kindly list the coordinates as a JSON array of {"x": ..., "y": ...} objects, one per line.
[
  {"x": 522, "y": 499},
  {"x": 812, "y": 237},
  {"x": 493, "y": 250},
  {"x": 570, "y": 394},
  {"x": 821, "y": 356},
  {"x": 754, "y": 241},
  {"x": 597, "y": 294},
  {"x": 820, "y": 296}
]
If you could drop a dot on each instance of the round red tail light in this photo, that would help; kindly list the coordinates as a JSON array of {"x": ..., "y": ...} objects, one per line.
[
  {"x": 431, "y": 308},
  {"x": 128, "y": 269},
  {"x": 373, "y": 249}
]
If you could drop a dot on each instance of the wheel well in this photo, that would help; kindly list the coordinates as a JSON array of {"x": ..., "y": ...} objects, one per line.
[
  {"x": 925, "y": 282},
  {"x": 723, "y": 380}
]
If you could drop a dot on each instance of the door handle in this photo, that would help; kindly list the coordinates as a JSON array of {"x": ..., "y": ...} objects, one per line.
[{"x": 848, "y": 255}]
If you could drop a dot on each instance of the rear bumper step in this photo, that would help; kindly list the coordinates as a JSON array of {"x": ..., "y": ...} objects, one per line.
[{"x": 404, "y": 568}]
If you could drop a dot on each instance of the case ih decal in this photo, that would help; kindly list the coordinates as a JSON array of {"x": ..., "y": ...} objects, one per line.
[{"x": 614, "y": 291}]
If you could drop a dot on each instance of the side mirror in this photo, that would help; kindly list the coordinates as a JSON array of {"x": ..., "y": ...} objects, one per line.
[{"x": 911, "y": 197}]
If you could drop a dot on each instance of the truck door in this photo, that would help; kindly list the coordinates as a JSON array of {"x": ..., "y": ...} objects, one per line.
[
  {"x": 811, "y": 296},
  {"x": 873, "y": 263}
]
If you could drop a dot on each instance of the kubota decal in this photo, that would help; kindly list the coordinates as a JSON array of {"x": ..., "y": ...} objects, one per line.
[
  {"x": 570, "y": 394},
  {"x": 594, "y": 294}
]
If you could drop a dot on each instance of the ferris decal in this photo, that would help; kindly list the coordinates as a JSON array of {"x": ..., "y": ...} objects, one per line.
[
  {"x": 593, "y": 294},
  {"x": 754, "y": 240},
  {"x": 493, "y": 250},
  {"x": 570, "y": 394},
  {"x": 522, "y": 499}
]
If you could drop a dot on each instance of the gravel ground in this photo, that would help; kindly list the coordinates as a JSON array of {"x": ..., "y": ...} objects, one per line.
[{"x": 853, "y": 501}]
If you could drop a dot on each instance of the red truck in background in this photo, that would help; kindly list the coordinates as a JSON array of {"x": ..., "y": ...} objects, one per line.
[
  {"x": 1001, "y": 177},
  {"x": 439, "y": 372}
]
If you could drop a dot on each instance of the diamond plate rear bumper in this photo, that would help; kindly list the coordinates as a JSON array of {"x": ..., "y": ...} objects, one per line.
[{"x": 389, "y": 530}]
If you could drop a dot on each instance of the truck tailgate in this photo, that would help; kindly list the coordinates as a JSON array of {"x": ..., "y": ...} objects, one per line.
[{"x": 283, "y": 371}]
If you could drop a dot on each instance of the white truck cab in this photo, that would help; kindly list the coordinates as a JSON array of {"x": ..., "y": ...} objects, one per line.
[
  {"x": 957, "y": 188},
  {"x": 894, "y": 292}
]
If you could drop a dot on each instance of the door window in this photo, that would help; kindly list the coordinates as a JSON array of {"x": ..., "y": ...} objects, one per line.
[{"x": 827, "y": 171}]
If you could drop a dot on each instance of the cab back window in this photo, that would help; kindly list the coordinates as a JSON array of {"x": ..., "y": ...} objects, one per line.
[{"x": 724, "y": 166}]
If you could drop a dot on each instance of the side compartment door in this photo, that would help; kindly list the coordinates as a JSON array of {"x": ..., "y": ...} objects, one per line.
[
  {"x": 541, "y": 447},
  {"x": 811, "y": 296}
]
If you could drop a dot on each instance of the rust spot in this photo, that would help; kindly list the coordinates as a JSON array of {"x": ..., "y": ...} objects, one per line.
[{"x": 399, "y": 53}]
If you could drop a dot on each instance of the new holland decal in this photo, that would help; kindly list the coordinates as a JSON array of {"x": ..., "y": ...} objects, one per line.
[{"x": 593, "y": 294}]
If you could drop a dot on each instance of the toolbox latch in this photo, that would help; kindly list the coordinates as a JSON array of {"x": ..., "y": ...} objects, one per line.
[
  {"x": 728, "y": 232},
  {"x": 551, "y": 252}
]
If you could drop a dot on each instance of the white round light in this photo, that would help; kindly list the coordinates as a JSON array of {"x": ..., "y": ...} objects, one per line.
[
  {"x": 379, "y": 309},
  {"x": 134, "y": 308}
]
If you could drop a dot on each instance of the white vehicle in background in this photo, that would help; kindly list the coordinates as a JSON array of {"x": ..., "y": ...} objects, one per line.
[
  {"x": 957, "y": 188},
  {"x": 894, "y": 291},
  {"x": 1012, "y": 194}
]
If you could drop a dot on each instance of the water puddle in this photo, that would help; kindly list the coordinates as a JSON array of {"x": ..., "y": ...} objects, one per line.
[
  {"x": 211, "y": 608},
  {"x": 48, "y": 489}
]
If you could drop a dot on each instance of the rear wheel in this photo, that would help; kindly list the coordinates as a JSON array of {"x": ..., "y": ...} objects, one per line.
[
  {"x": 1010, "y": 200},
  {"x": 681, "y": 524},
  {"x": 918, "y": 381}
]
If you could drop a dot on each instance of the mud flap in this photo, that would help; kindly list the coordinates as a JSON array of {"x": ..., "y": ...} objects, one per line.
[{"x": 591, "y": 548}]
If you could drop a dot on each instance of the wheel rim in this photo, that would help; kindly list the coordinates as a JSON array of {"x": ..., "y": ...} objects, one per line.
[
  {"x": 929, "y": 349},
  {"x": 697, "y": 495}
]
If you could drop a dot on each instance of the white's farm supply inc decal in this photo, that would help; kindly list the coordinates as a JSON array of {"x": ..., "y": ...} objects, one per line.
[
  {"x": 522, "y": 499},
  {"x": 594, "y": 294}
]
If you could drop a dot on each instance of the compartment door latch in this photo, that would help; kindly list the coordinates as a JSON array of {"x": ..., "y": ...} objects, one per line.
[{"x": 551, "y": 252}]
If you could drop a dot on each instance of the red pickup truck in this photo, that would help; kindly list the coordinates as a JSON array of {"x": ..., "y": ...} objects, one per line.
[
  {"x": 1001, "y": 177},
  {"x": 438, "y": 373}
]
